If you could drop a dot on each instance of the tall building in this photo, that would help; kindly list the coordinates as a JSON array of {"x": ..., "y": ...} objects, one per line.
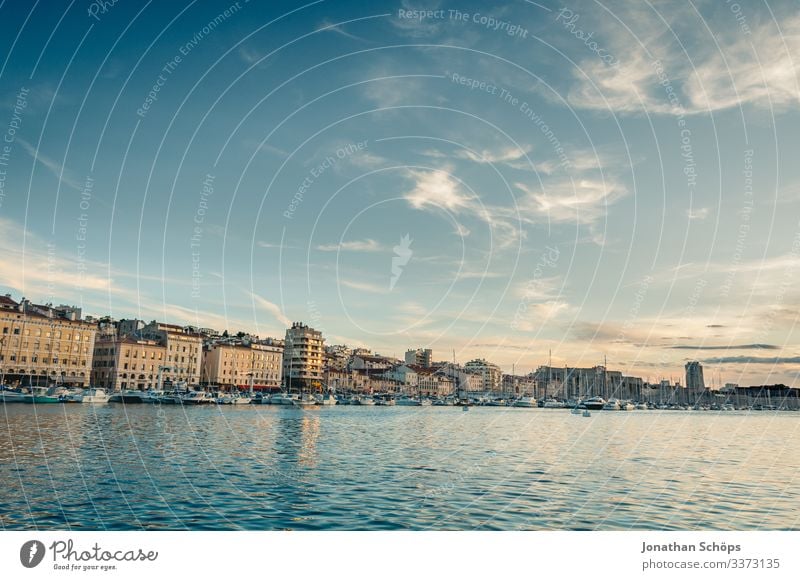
[
  {"x": 694, "y": 377},
  {"x": 232, "y": 365},
  {"x": 303, "y": 357},
  {"x": 420, "y": 357},
  {"x": 490, "y": 372},
  {"x": 44, "y": 344}
]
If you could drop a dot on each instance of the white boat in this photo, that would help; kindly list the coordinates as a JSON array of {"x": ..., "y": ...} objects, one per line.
[
  {"x": 553, "y": 404},
  {"x": 407, "y": 402},
  {"x": 366, "y": 401},
  {"x": 196, "y": 398},
  {"x": 74, "y": 396},
  {"x": 626, "y": 406},
  {"x": 327, "y": 399},
  {"x": 93, "y": 395},
  {"x": 305, "y": 400},
  {"x": 525, "y": 402},
  {"x": 641, "y": 407},
  {"x": 241, "y": 400},
  {"x": 611, "y": 405},
  {"x": 282, "y": 399}
]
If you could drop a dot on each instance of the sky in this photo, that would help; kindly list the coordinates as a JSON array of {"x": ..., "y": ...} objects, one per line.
[{"x": 528, "y": 182}]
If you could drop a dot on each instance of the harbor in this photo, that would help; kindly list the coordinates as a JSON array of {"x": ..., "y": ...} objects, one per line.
[{"x": 280, "y": 467}]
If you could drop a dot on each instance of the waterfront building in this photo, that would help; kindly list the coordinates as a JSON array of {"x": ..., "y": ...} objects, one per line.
[
  {"x": 44, "y": 344},
  {"x": 572, "y": 383},
  {"x": 420, "y": 357},
  {"x": 336, "y": 356},
  {"x": 127, "y": 361},
  {"x": 184, "y": 350},
  {"x": 490, "y": 373},
  {"x": 432, "y": 383},
  {"x": 518, "y": 386},
  {"x": 235, "y": 363},
  {"x": 694, "y": 377},
  {"x": 363, "y": 362},
  {"x": 302, "y": 358},
  {"x": 404, "y": 374}
]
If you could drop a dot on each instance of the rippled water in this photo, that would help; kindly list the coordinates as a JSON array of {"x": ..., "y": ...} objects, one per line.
[{"x": 385, "y": 468}]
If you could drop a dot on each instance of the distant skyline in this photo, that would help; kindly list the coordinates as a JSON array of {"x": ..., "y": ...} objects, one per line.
[{"x": 601, "y": 181}]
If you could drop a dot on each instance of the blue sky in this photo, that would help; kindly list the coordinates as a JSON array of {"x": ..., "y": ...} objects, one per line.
[{"x": 597, "y": 180}]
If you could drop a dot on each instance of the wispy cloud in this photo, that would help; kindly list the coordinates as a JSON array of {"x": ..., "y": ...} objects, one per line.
[
  {"x": 723, "y": 347},
  {"x": 437, "y": 189},
  {"x": 53, "y": 166},
  {"x": 367, "y": 245},
  {"x": 271, "y": 308},
  {"x": 327, "y": 25},
  {"x": 364, "y": 286},
  {"x": 581, "y": 201},
  {"x": 761, "y": 360},
  {"x": 698, "y": 213}
]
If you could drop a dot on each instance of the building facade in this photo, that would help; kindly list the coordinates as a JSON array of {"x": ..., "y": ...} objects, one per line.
[
  {"x": 490, "y": 373},
  {"x": 184, "y": 351},
  {"x": 694, "y": 377},
  {"x": 303, "y": 357},
  {"x": 234, "y": 365},
  {"x": 420, "y": 357},
  {"x": 124, "y": 362},
  {"x": 42, "y": 345}
]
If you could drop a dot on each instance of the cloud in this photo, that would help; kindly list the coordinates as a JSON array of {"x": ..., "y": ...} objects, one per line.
[
  {"x": 364, "y": 286},
  {"x": 272, "y": 308},
  {"x": 502, "y": 155},
  {"x": 722, "y": 347},
  {"x": 367, "y": 245},
  {"x": 249, "y": 55},
  {"x": 54, "y": 167},
  {"x": 47, "y": 270},
  {"x": 270, "y": 245},
  {"x": 707, "y": 71},
  {"x": 437, "y": 188},
  {"x": 337, "y": 28},
  {"x": 698, "y": 213},
  {"x": 754, "y": 360},
  {"x": 582, "y": 201}
]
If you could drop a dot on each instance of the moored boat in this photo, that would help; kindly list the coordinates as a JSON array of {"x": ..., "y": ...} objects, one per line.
[
  {"x": 594, "y": 403},
  {"x": 525, "y": 402},
  {"x": 93, "y": 395}
]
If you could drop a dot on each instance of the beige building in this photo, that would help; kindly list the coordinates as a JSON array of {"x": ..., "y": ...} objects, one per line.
[
  {"x": 230, "y": 365},
  {"x": 43, "y": 344},
  {"x": 184, "y": 351},
  {"x": 127, "y": 362},
  {"x": 302, "y": 358},
  {"x": 490, "y": 373}
]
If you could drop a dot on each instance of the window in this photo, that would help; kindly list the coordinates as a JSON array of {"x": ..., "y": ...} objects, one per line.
[{"x": 16, "y": 331}]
